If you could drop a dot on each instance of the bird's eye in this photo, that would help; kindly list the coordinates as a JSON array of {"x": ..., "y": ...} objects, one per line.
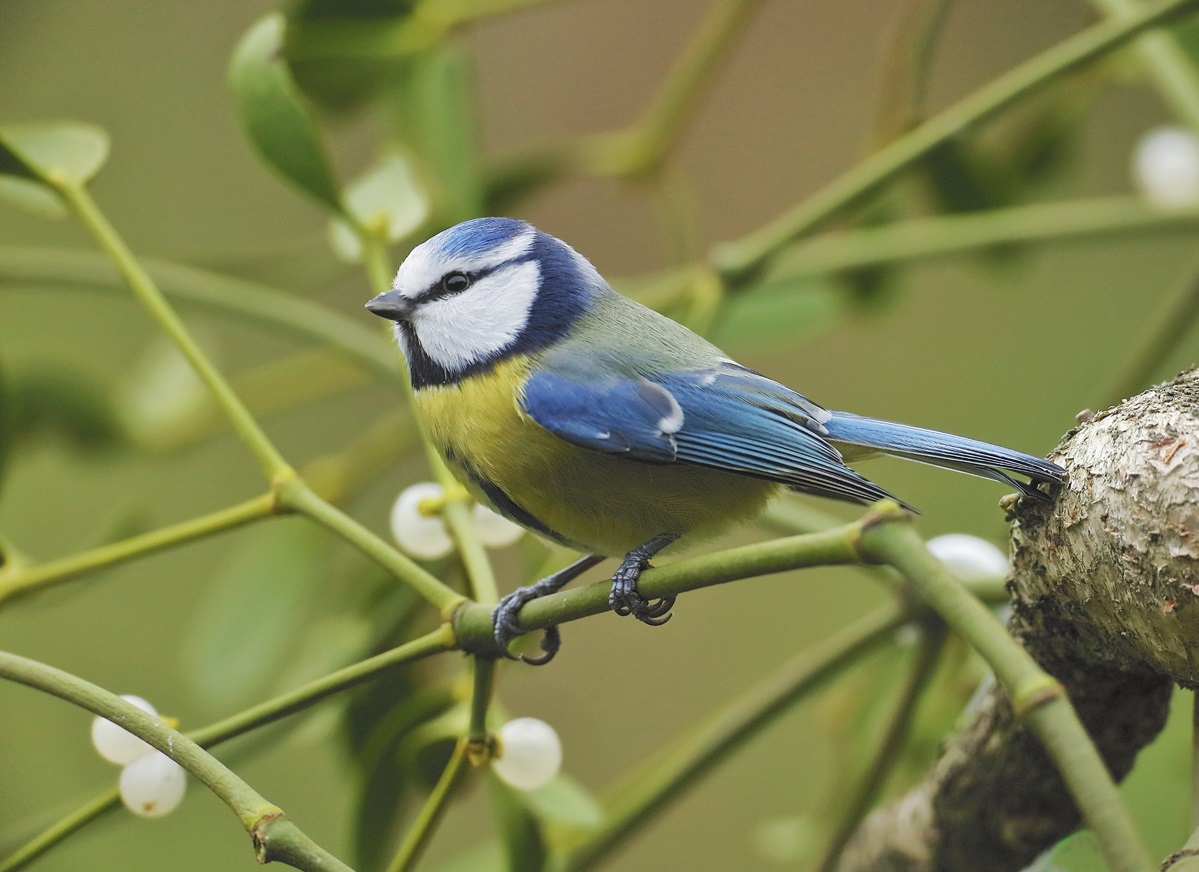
[{"x": 455, "y": 282}]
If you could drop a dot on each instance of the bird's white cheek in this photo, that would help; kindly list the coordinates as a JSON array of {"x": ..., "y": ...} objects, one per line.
[{"x": 460, "y": 331}]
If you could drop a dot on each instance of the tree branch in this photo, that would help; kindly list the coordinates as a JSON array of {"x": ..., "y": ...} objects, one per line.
[{"x": 1104, "y": 579}]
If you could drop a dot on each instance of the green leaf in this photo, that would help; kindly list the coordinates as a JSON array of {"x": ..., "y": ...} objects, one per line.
[
  {"x": 1187, "y": 35},
  {"x": 343, "y": 52},
  {"x": 50, "y": 399},
  {"x": 567, "y": 803},
  {"x": 426, "y": 749},
  {"x": 7, "y": 422},
  {"x": 387, "y": 198},
  {"x": 42, "y": 150},
  {"x": 377, "y": 725},
  {"x": 276, "y": 118},
  {"x": 32, "y": 197},
  {"x": 964, "y": 178},
  {"x": 435, "y": 115},
  {"x": 520, "y": 831},
  {"x": 487, "y": 857},
  {"x": 780, "y": 313},
  {"x": 163, "y": 402},
  {"x": 250, "y": 618},
  {"x": 1074, "y": 853},
  {"x": 36, "y": 157}
]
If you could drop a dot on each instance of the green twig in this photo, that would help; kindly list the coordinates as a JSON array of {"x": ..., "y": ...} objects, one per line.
[
  {"x": 307, "y": 695},
  {"x": 689, "y": 758},
  {"x": 480, "y": 701},
  {"x": 417, "y": 838},
  {"x": 1159, "y": 338},
  {"x": 932, "y": 643},
  {"x": 239, "y": 724},
  {"x": 460, "y": 523},
  {"x": 251, "y": 301},
  {"x": 274, "y": 836},
  {"x": 19, "y": 580},
  {"x": 375, "y": 258},
  {"x": 472, "y": 622},
  {"x": 924, "y": 238},
  {"x": 642, "y": 148},
  {"x": 739, "y": 261},
  {"x": 60, "y": 830},
  {"x": 905, "y": 69},
  {"x": 274, "y": 467},
  {"x": 1166, "y": 62},
  {"x": 834, "y": 547},
  {"x": 296, "y": 495},
  {"x": 1037, "y": 698}
]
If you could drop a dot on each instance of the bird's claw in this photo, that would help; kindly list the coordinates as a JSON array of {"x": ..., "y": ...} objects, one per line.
[
  {"x": 625, "y": 599},
  {"x": 506, "y": 627}
]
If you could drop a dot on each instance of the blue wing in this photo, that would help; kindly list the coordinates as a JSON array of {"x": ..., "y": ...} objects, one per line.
[
  {"x": 612, "y": 415},
  {"x": 726, "y": 417}
]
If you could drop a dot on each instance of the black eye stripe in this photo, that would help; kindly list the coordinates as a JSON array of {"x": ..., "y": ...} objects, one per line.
[{"x": 438, "y": 290}]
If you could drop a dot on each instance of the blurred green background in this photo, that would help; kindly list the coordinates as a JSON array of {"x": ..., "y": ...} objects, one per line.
[{"x": 1005, "y": 347}]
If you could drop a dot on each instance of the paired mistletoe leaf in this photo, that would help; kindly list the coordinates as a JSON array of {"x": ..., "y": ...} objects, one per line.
[
  {"x": 566, "y": 803},
  {"x": 435, "y": 117},
  {"x": 520, "y": 830},
  {"x": 36, "y": 155},
  {"x": 275, "y": 115},
  {"x": 487, "y": 857},
  {"x": 342, "y": 53},
  {"x": 50, "y": 399},
  {"x": 31, "y": 196},
  {"x": 247, "y": 622},
  {"x": 378, "y": 725},
  {"x": 40, "y": 150},
  {"x": 386, "y": 780},
  {"x": 966, "y": 178},
  {"x": 781, "y": 313}
]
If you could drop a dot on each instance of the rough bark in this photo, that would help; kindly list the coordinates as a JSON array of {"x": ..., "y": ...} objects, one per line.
[{"x": 1105, "y": 584}]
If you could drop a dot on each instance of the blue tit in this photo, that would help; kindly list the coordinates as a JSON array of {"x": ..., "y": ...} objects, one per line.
[{"x": 606, "y": 426}]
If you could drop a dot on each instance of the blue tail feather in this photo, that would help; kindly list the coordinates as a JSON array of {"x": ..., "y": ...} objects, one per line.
[{"x": 944, "y": 449}]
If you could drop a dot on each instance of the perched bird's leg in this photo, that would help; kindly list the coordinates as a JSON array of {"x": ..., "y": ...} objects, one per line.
[
  {"x": 504, "y": 616},
  {"x": 625, "y": 599}
]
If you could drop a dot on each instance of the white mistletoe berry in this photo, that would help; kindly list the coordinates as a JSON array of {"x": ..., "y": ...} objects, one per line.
[
  {"x": 528, "y": 753},
  {"x": 422, "y": 535},
  {"x": 116, "y": 744},
  {"x": 153, "y": 785}
]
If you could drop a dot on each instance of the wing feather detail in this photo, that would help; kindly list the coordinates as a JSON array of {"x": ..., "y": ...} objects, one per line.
[{"x": 727, "y": 417}]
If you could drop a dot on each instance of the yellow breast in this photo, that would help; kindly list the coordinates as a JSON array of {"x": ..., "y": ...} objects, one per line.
[{"x": 601, "y": 503}]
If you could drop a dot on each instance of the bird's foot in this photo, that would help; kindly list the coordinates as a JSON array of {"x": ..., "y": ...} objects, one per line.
[
  {"x": 626, "y": 599},
  {"x": 505, "y": 616},
  {"x": 506, "y": 626}
]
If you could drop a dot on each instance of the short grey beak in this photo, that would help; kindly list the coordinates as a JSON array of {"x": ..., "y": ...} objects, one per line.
[{"x": 392, "y": 305}]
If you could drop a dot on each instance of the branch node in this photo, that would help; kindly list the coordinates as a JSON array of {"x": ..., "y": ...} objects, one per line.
[
  {"x": 1036, "y": 692},
  {"x": 882, "y": 512},
  {"x": 261, "y": 837}
]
